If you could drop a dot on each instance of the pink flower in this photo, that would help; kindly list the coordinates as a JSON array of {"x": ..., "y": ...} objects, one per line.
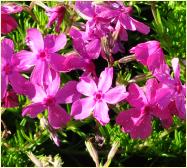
[
  {"x": 137, "y": 120},
  {"x": 10, "y": 72},
  {"x": 8, "y": 23},
  {"x": 178, "y": 90},
  {"x": 103, "y": 20},
  {"x": 117, "y": 12},
  {"x": 150, "y": 54},
  {"x": 88, "y": 48},
  {"x": 43, "y": 55},
  {"x": 50, "y": 98},
  {"x": 97, "y": 97},
  {"x": 88, "y": 43},
  {"x": 56, "y": 14}
]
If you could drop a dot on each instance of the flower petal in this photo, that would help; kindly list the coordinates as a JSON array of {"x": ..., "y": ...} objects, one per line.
[
  {"x": 181, "y": 106},
  {"x": 141, "y": 27},
  {"x": 126, "y": 22},
  {"x": 52, "y": 82},
  {"x": 101, "y": 113},
  {"x": 39, "y": 94},
  {"x": 10, "y": 99},
  {"x": 26, "y": 60},
  {"x": 93, "y": 48},
  {"x": 57, "y": 61},
  {"x": 163, "y": 97},
  {"x": 85, "y": 9},
  {"x": 4, "y": 84},
  {"x": 105, "y": 80},
  {"x": 176, "y": 68},
  {"x": 87, "y": 86},
  {"x": 136, "y": 96},
  {"x": 39, "y": 72},
  {"x": 8, "y": 24},
  {"x": 184, "y": 90},
  {"x": 148, "y": 52},
  {"x": 155, "y": 60},
  {"x": 74, "y": 61},
  {"x": 18, "y": 83},
  {"x": 135, "y": 123},
  {"x": 151, "y": 87},
  {"x": 55, "y": 43},
  {"x": 57, "y": 116},
  {"x": 68, "y": 93},
  {"x": 82, "y": 108},
  {"x": 34, "y": 40},
  {"x": 33, "y": 110},
  {"x": 7, "y": 50},
  {"x": 115, "y": 95},
  {"x": 124, "y": 119},
  {"x": 106, "y": 11},
  {"x": 10, "y": 8},
  {"x": 79, "y": 46},
  {"x": 143, "y": 130}
]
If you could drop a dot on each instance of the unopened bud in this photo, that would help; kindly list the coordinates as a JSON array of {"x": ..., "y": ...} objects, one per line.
[
  {"x": 92, "y": 151},
  {"x": 34, "y": 159},
  {"x": 112, "y": 153},
  {"x": 128, "y": 58}
]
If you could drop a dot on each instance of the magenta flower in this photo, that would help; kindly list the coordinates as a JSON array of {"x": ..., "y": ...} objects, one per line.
[
  {"x": 178, "y": 91},
  {"x": 105, "y": 19},
  {"x": 117, "y": 12},
  {"x": 95, "y": 26},
  {"x": 150, "y": 54},
  {"x": 88, "y": 48},
  {"x": 55, "y": 14},
  {"x": 97, "y": 97},
  {"x": 88, "y": 43},
  {"x": 10, "y": 72},
  {"x": 8, "y": 23},
  {"x": 137, "y": 120},
  {"x": 43, "y": 55},
  {"x": 50, "y": 98}
]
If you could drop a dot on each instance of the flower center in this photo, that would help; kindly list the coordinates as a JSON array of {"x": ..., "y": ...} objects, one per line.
[
  {"x": 98, "y": 95},
  {"x": 7, "y": 69},
  {"x": 49, "y": 100},
  {"x": 147, "y": 109},
  {"x": 43, "y": 54}
]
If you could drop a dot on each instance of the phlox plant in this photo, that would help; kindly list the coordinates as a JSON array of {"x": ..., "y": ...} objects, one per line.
[{"x": 96, "y": 31}]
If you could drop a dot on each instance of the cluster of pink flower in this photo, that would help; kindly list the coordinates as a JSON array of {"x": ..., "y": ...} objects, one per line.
[{"x": 162, "y": 97}]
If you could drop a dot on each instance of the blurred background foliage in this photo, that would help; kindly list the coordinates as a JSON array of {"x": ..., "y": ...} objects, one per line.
[{"x": 24, "y": 138}]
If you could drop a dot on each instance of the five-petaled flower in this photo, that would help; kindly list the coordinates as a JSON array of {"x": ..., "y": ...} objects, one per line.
[
  {"x": 97, "y": 97},
  {"x": 50, "y": 98},
  {"x": 137, "y": 120}
]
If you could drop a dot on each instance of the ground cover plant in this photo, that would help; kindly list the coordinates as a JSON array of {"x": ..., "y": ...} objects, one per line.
[{"x": 93, "y": 83}]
